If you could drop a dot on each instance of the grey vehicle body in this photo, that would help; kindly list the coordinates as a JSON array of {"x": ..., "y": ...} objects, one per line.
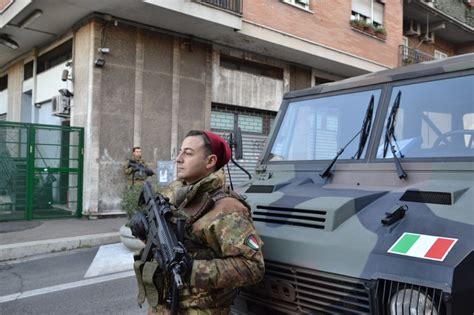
[{"x": 325, "y": 245}]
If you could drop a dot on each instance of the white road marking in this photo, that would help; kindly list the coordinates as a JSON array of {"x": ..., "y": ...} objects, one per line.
[
  {"x": 110, "y": 259},
  {"x": 61, "y": 287}
]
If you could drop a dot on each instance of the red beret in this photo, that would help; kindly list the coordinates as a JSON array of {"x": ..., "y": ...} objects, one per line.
[{"x": 219, "y": 147}]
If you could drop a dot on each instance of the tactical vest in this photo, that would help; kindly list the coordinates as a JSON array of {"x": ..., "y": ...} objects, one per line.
[{"x": 152, "y": 282}]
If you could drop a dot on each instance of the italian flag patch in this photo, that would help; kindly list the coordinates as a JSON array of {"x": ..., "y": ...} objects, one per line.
[
  {"x": 251, "y": 242},
  {"x": 423, "y": 246}
]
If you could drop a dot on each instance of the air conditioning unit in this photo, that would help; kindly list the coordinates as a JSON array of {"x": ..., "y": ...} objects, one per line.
[
  {"x": 429, "y": 38},
  {"x": 430, "y": 3},
  {"x": 413, "y": 28},
  {"x": 60, "y": 106}
]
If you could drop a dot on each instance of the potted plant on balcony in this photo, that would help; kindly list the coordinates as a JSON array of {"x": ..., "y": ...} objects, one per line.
[
  {"x": 369, "y": 28},
  {"x": 380, "y": 32},
  {"x": 358, "y": 24}
]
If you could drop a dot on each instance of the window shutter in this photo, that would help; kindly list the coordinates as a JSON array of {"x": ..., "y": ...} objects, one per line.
[
  {"x": 378, "y": 13},
  {"x": 362, "y": 7}
]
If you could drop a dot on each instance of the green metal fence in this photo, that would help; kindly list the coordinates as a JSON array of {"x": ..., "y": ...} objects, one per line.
[{"x": 41, "y": 169}]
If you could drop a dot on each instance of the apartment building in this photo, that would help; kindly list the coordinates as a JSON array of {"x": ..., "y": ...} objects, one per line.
[
  {"x": 144, "y": 72},
  {"x": 436, "y": 29}
]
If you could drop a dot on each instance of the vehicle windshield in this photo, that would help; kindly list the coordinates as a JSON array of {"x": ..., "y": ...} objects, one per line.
[
  {"x": 315, "y": 129},
  {"x": 435, "y": 119}
]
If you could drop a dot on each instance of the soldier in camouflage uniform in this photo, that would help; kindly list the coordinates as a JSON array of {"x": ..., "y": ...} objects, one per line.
[
  {"x": 135, "y": 176},
  {"x": 220, "y": 235}
]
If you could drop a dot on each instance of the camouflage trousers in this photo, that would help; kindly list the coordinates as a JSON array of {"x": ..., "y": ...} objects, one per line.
[{"x": 192, "y": 311}]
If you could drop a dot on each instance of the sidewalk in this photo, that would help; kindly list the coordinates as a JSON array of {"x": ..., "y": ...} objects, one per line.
[{"x": 19, "y": 239}]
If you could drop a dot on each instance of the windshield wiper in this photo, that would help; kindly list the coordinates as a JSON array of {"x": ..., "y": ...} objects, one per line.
[
  {"x": 390, "y": 134},
  {"x": 364, "y": 132},
  {"x": 365, "y": 129}
]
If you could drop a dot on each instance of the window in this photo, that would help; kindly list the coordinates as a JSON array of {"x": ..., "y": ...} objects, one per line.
[
  {"x": 254, "y": 124},
  {"x": 3, "y": 83},
  {"x": 299, "y": 3},
  {"x": 405, "y": 41},
  {"x": 439, "y": 55},
  {"x": 250, "y": 123},
  {"x": 371, "y": 11},
  {"x": 434, "y": 119},
  {"x": 320, "y": 80},
  {"x": 54, "y": 57},
  {"x": 227, "y": 118},
  {"x": 315, "y": 129},
  {"x": 3, "y": 95},
  {"x": 255, "y": 68},
  {"x": 222, "y": 121},
  {"x": 28, "y": 70}
]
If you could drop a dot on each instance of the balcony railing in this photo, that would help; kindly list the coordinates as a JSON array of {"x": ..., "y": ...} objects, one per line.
[
  {"x": 230, "y": 5},
  {"x": 408, "y": 56}
]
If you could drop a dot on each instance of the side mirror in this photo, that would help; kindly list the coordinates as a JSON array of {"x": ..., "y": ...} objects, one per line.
[{"x": 238, "y": 144}]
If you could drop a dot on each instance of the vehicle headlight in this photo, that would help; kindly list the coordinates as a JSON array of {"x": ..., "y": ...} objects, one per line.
[{"x": 409, "y": 301}]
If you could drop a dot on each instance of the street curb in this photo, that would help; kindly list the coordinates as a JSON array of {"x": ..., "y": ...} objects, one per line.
[{"x": 21, "y": 250}]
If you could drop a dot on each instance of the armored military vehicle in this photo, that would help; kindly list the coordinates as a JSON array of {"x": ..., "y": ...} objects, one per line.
[{"x": 364, "y": 196}]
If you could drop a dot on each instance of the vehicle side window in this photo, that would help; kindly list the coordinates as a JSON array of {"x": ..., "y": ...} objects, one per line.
[{"x": 434, "y": 119}]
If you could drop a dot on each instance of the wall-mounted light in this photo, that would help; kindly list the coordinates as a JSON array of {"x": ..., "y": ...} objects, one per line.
[
  {"x": 99, "y": 62},
  {"x": 7, "y": 41},
  {"x": 104, "y": 50},
  {"x": 65, "y": 75},
  {"x": 38, "y": 105},
  {"x": 65, "y": 93},
  {"x": 30, "y": 18}
]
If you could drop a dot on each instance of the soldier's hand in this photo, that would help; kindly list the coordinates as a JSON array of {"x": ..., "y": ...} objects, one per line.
[
  {"x": 187, "y": 266},
  {"x": 149, "y": 172},
  {"x": 139, "y": 226}
]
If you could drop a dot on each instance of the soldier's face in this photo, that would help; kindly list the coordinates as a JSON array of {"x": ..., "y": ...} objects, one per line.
[
  {"x": 137, "y": 153},
  {"x": 192, "y": 162}
]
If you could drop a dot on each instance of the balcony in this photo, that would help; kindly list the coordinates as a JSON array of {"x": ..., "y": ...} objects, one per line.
[
  {"x": 229, "y": 5},
  {"x": 408, "y": 56}
]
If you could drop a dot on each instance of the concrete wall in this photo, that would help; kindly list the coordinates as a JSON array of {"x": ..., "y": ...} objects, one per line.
[
  {"x": 151, "y": 91},
  {"x": 245, "y": 89},
  {"x": 86, "y": 112},
  {"x": 457, "y": 9},
  {"x": 155, "y": 96},
  {"x": 194, "y": 87},
  {"x": 15, "y": 82},
  {"x": 300, "y": 78}
]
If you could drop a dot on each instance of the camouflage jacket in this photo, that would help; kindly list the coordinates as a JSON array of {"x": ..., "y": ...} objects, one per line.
[
  {"x": 221, "y": 238},
  {"x": 133, "y": 177}
]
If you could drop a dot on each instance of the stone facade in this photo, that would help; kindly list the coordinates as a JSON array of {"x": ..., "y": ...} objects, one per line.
[{"x": 458, "y": 9}]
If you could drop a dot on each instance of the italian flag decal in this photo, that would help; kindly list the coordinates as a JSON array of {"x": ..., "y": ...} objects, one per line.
[
  {"x": 423, "y": 246},
  {"x": 251, "y": 242}
]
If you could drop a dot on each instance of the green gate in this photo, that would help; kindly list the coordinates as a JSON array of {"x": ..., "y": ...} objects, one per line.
[{"x": 41, "y": 168}]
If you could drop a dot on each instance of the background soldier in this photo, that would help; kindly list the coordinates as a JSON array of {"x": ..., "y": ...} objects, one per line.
[
  {"x": 220, "y": 237},
  {"x": 136, "y": 168}
]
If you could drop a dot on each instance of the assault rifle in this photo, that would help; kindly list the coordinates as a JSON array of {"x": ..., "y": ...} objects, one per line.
[
  {"x": 139, "y": 168},
  {"x": 162, "y": 243}
]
